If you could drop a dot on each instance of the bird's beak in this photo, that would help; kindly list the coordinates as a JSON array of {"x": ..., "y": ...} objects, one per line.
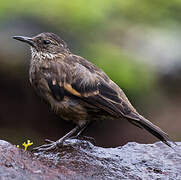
[{"x": 25, "y": 39}]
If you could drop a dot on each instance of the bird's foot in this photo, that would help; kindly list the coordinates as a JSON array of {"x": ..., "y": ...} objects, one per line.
[{"x": 52, "y": 145}]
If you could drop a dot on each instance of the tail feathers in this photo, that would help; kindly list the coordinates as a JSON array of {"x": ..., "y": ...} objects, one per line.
[{"x": 154, "y": 130}]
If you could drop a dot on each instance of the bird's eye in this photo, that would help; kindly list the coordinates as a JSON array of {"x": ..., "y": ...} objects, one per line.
[{"x": 46, "y": 41}]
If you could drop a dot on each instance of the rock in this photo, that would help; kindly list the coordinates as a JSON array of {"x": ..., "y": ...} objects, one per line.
[{"x": 79, "y": 159}]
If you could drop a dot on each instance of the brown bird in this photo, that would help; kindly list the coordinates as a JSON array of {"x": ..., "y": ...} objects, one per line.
[{"x": 77, "y": 90}]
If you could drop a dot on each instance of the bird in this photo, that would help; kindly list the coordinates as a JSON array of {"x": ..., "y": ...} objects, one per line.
[{"x": 77, "y": 90}]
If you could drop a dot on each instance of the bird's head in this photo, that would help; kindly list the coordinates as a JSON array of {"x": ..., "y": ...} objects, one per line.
[{"x": 45, "y": 44}]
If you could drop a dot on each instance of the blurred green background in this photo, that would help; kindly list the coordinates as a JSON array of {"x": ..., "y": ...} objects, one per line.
[{"x": 137, "y": 43}]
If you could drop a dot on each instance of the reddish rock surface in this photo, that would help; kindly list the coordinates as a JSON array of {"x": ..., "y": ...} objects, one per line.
[{"x": 79, "y": 159}]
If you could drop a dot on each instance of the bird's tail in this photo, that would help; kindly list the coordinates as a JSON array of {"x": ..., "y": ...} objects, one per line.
[{"x": 154, "y": 130}]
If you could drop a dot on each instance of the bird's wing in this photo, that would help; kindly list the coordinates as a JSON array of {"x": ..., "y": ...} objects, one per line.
[{"x": 87, "y": 85}]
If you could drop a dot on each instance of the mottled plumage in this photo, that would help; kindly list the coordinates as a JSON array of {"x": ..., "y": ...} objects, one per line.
[{"x": 76, "y": 89}]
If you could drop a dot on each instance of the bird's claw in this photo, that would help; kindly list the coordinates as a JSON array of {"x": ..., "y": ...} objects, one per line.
[
  {"x": 49, "y": 141},
  {"x": 53, "y": 145},
  {"x": 46, "y": 147}
]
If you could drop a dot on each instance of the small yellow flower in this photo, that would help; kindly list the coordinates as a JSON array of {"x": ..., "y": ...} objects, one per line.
[
  {"x": 29, "y": 143},
  {"x": 17, "y": 146}
]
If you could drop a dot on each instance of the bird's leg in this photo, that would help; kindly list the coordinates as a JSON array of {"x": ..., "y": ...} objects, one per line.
[
  {"x": 80, "y": 131},
  {"x": 84, "y": 137},
  {"x": 58, "y": 143}
]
